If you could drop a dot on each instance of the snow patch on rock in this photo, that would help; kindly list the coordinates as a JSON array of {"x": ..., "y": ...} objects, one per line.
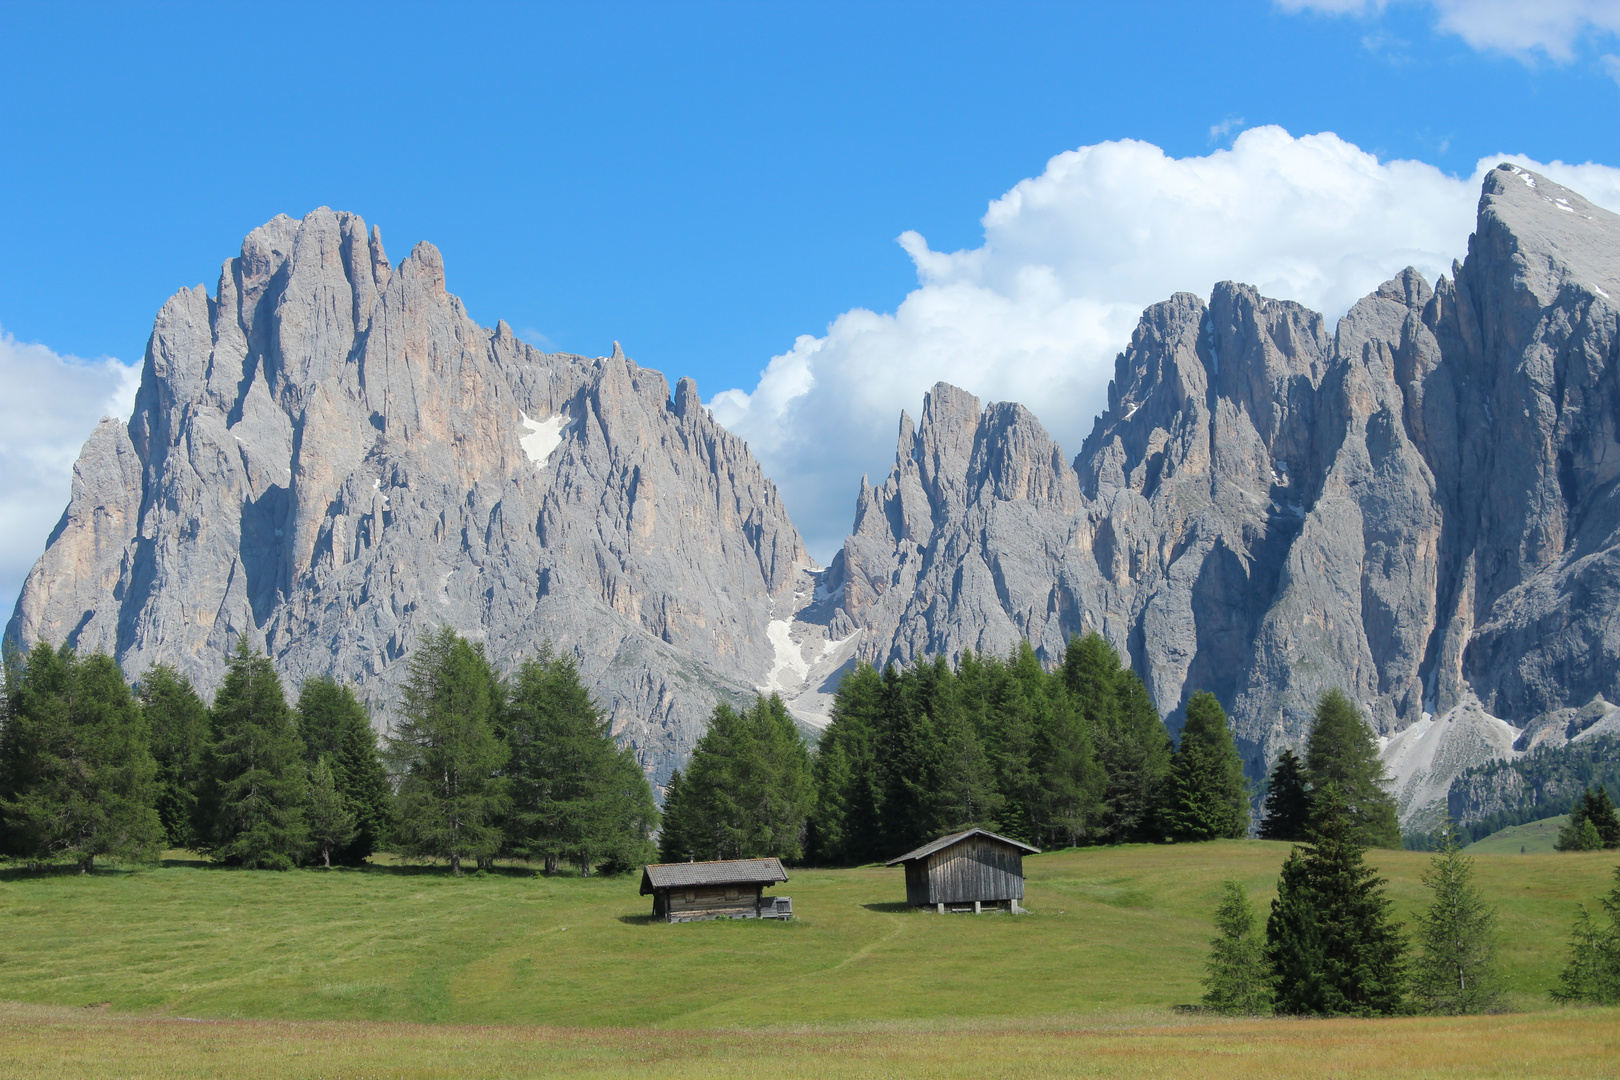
[{"x": 544, "y": 436}]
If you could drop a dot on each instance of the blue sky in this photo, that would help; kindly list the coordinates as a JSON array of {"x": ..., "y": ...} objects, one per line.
[{"x": 702, "y": 182}]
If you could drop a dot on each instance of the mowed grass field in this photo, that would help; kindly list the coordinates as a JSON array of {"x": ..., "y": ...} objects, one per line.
[{"x": 510, "y": 974}]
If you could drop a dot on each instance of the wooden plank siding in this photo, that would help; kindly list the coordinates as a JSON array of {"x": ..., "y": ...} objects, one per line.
[
  {"x": 974, "y": 869},
  {"x": 711, "y": 902}
]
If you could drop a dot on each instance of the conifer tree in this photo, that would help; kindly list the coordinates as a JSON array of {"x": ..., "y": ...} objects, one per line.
[
  {"x": 80, "y": 781},
  {"x": 1137, "y": 761},
  {"x": 1454, "y": 971},
  {"x": 447, "y": 754},
  {"x": 335, "y": 725},
  {"x": 332, "y": 825},
  {"x": 1065, "y": 803},
  {"x": 1592, "y": 825},
  {"x": 1341, "y": 751},
  {"x": 1331, "y": 943},
  {"x": 574, "y": 793},
  {"x": 1237, "y": 979},
  {"x": 846, "y": 828},
  {"x": 1592, "y": 972},
  {"x": 251, "y": 812},
  {"x": 1288, "y": 803},
  {"x": 178, "y": 721},
  {"x": 746, "y": 792},
  {"x": 1208, "y": 797}
]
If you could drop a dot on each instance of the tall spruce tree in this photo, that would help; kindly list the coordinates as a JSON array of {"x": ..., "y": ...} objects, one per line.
[
  {"x": 80, "y": 781},
  {"x": 336, "y": 726},
  {"x": 845, "y": 828},
  {"x": 446, "y": 752},
  {"x": 574, "y": 793},
  {"x": 1065, "y": 805},
  {"x": 1454, "y": 971},
  {"x": 1288, "y": 801},
  {"x": 251, "y": 811},
  {"x": 1333, "y": 947},
  {"x": 746, "y": 792},
  {"x": 332, "y": 824},
  {"x": 178, "y": 720},
  {"x": 1137, "y": 760},
  {"x": 1207, "y": 797},
  {"x": 1341, "y": 752},
  {"x": 1236, "y": 978},
  {"x": 1591, "y": 973}
]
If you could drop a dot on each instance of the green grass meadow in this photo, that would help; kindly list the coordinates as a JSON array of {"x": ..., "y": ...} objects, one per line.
[
  {"x": 1116, "y": 937},
  {"x": 1534, "y": 837}
]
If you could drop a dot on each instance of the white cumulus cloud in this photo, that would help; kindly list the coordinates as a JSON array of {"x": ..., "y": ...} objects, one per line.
[
  {"x": 50, "y": 405},
  {"x": 1037, "y": 313}
]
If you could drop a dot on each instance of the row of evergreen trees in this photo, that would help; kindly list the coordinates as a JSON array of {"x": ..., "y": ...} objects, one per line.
[
  {"x": 478, "y": 767},
  {"x": 1075, "y": 755}
]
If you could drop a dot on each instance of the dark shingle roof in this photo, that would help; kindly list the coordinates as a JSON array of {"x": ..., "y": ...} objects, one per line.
[
  {"x": 946, "y": 841},
  {"x": 681, "y": 875}
]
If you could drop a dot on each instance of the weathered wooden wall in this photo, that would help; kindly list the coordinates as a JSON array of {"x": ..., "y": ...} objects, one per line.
[
  {"x": 975, "y": 869},
  {"x": 713, "y": 902}
]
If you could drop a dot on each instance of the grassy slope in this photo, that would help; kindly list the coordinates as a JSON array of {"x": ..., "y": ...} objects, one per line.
[
  {"x": 1112, "y": 929},
  {"x": 1536, "y": 837}
]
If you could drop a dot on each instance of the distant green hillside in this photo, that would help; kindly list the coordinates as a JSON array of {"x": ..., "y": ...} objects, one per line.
[{"x": 1535, "y": 838}]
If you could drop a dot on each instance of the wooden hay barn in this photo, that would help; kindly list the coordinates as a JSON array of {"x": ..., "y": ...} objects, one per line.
[
  {"x": 966, "y": 871},
  {"x": 727, "y": 889}
]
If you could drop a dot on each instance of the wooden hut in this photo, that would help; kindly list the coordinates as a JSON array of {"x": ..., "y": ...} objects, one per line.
[
  {"x": 966, "y": 871},
  {"x": 727, "y": 889}
]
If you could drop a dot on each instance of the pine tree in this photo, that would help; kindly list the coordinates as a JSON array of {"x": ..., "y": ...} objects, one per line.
[
  {"x": 1208, "y": 797},
  {"x": 1237, "y": 979},
  {"x": 80, "y": 781},
  {"x": 178, "y": 720},
  {"x": 574, "y": 793},
  {"x": 1331, "y": 943},
  {"x": 677, "y": 825},
  {"x": 447, "y": 754},
  {"x": 332, "y": 825},
  {"x": 335, "y": 725},
  {"x": 1288, "y": 803},
  {"x": 1592, "y": 824},
  {"x": 1454, "y": 971},
  {"x": 1592, "y": 972},
  {"x": 1066, "y": 805},
  {"x": 1341, "y": 751},
  {"x": 251, "y": 811}
]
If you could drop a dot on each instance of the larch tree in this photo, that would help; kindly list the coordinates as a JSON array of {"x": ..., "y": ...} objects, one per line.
[
  {"x": 1454, "y": 971},
  {"x": 447, "y": 754},
  {"x": 251, "y": 810},
  {"x": 1207, "y": 797},
  {"x": 1591, "y": 972},
  {"x": 1237, "y": 979},
  {"x": 332, "y": 824},
  {"x": 1341, "y": 752},
  {"x": 336, "y": 725},
  {"x": 573, "y": 792}
]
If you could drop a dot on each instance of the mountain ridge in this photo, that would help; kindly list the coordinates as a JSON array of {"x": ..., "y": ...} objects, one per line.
[{"x": 1417, "y": 506}]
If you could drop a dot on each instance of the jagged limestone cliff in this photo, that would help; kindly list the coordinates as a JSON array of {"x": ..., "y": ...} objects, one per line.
[
  {"x": 329, "y": 457},
  {"x": 1419, "y": 508}
]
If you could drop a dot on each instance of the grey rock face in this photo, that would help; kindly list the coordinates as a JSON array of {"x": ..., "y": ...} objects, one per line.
[
  {"x": 1420, "y": 508},
  {"x": 328, "y": 457}
]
